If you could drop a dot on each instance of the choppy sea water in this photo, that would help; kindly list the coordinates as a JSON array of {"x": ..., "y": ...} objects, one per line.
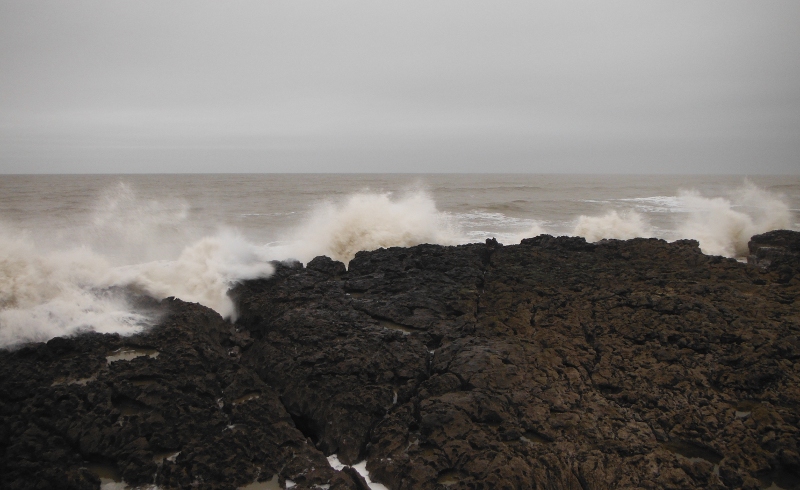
[{"x": 65, "y": 240}]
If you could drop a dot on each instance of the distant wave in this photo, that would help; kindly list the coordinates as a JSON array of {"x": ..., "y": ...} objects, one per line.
[
  {"x": 657, "y": 204},
  {"x": 268, "y": 214},
  {"x": 490, "y": 188}
]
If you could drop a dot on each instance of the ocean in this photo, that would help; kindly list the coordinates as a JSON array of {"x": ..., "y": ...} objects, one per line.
[{"x": 69, "y": 242}]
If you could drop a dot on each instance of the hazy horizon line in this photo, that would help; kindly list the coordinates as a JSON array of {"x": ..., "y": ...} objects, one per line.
[{"x": 587, "y": 174}]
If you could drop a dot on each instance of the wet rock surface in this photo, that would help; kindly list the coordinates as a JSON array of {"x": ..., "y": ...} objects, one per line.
[{"x": 550, "y": 364}]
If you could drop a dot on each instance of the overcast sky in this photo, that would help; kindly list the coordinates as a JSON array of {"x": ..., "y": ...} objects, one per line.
[{"x": 372, "y": 86}]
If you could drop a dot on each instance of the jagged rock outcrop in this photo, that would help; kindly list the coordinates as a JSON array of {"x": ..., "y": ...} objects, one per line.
[{"x": 550, "y": 364}]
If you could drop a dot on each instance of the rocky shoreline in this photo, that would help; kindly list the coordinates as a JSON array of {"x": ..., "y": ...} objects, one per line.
[{"x": 551, "y": 364}]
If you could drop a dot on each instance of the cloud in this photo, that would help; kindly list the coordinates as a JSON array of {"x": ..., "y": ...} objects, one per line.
[{"x": 707, "y": 83}]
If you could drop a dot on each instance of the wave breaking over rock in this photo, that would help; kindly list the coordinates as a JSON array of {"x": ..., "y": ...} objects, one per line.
[
  {"x": 56, "y": 278},
  {"x": 555, "y": 363}
]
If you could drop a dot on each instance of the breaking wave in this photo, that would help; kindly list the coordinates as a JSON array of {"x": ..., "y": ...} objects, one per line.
[
  {"x": 55, "y": 283},
  {"x": 203, "y": 272},
  {"x": 723, "y": 226},
  {"x": 368, "y": 221},
  {"x": 612, "y": 225},
  {"x": 68, "y": 282},
  {"x": 44, "y": 295},
  {"x": 151, "y": 246},
  {"x": 48, "y": 294}
]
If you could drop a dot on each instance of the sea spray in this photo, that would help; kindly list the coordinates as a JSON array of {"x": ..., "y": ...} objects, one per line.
[
  {"x": 203, "y": 272},
  {"x": 368, "y": 221},
  {"x": 60, "y": 282},
  {"x": 44, "y": 295},
  {"x": 535, "y": 229},
  {"x": 621, "y": 226},
  {"x": 723, "y": 226},
  {"x": 130, "y": 242},
  {"x": 68, "y": 274},
  {"x": 128, "y": 229}
]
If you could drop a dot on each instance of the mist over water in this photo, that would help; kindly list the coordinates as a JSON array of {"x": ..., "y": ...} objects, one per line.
[{"x": 69, "y": 243}]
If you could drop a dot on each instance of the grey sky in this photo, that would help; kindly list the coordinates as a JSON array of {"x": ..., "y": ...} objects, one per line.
[{"x": 373, "y": 86}]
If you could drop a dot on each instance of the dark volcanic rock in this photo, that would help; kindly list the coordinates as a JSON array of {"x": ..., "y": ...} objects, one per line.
[
  {"x": 777, "y": 251},
  {"x": 173, "y": 406},
  {"x": 551, "y": 364}
]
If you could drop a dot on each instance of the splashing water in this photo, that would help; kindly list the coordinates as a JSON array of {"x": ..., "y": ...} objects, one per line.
[
  {"x": 131, "y": 230},
  {"x": 203, "y": 272},
  {"x": 535, "y": 230},
  {"x": 130, "y": 242},
  {"x": 62, "y": 285},
  {"x": 724, "y": 226},
  {"x": 368, "y": 221},
  {"x": 44, "y": 295},
  {"x": 61, "y": 282},
  {"x": 612, "y": 225}
]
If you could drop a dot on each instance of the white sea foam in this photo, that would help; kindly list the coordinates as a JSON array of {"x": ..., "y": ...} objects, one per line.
[
  {"x": 48, "y": 294},
  {"x": 477, "y": 226},
  {"x": 360, "y": 467},
  {"x": 723, "y": 226},
  {"x": 621, "y": 226}
]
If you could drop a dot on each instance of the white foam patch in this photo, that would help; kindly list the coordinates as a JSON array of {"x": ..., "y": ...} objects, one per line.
[
  {"x": 106, "y": 484},
  {"x": 333, "y": 460},
  {"x": 477, "y": 226},
  {"x": 485, "y": 218},
  {"x": 360, "y": 467}
]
